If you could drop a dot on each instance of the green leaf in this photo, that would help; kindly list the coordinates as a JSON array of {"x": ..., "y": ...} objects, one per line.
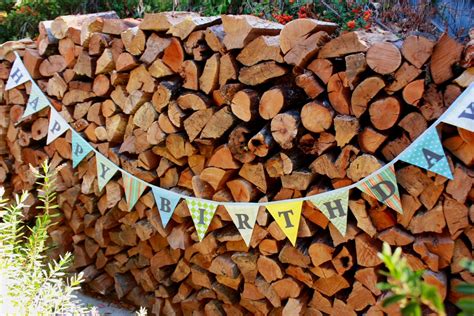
[
  {"x": 412, "y": 309},
  {"x": 385, "y": 286},
  {"x": 393, "y": 299},
  {"x": 465, "y": 288},
  {"x": 467, "y": 305}
]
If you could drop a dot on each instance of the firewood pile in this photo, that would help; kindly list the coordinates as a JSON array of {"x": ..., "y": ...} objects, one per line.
[{"x": 236, "y": 108}]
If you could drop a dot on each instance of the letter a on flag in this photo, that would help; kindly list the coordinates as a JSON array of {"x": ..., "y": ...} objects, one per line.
[
  {"x": 333, "y": 205},
  {"x": 461, "y": 112},
  {"x": 18, "y": 74},
  {"x": 244, "y": 217},
  {"x": 383, "y": 186},
  {"x": 287, "y": 215},
  {"x": 166, "y": 202},
  {"x": 36, "y": 102},
  {"x": 133, "y": 187},
  {"x": 80, "y": 148},
  {"x": 202, "y": 212},
  {"x": 426, "y": 152},
  {"x": 57, "y": 126},
  {"x": 105, "y": 170}
]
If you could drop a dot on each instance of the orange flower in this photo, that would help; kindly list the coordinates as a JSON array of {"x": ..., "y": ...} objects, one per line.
[
  {"x": 367, "y": 15},
  {"x": 351, "y": 24}
]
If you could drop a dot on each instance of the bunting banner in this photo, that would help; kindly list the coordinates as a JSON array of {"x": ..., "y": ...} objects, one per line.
[
  {"x": 202, "y": 212},
  {"x": 18, "y": 74},
  {"x": 36, "y": 102},
  {"x": 106, "y": 169},
  {"x": 57, "y": 126},
  {"x": 333, "y": 205},
  {"x": 133, "y": 187},
  {"x": 166, "y": 202},
  {"x": 383, "y": 186},
  {"x": 80, "y": 148},
  {"x": 287, "y": 215},
  {"x": 462, "y": 113},
  {"x": 244, "y": 217},
  {"x": 427, "y": 152}
]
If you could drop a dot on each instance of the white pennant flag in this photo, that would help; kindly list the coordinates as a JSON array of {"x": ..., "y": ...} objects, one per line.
[
  {"x": 461, "y": 112},
  {"x": 57, "y": 126},
  {"x": 18, "y": 74},
  {"x": 36, "y": 102},
  {"x": 244, "y": 217}
]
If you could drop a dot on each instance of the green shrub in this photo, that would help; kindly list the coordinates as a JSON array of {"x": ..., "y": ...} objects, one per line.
[
  {"x": 406, "y": 286},
  {"x": 466, "y": 304},
  {"x": 30, "y": 282}
]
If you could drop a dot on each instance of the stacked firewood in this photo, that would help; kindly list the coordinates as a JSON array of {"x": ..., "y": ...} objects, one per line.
[{"x": 236, "y": 108}]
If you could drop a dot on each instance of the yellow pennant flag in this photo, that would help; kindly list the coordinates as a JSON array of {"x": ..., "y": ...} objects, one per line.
[{"x": 287, "y": 215}]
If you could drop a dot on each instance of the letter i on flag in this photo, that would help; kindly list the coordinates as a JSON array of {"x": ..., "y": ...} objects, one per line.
[
  {"x": 80, "y": 148},
  {"x": 202, "y": 212},
  {"x": 461, "y": 112},
  {"x": 244, "y": 217},
  {"x": 36, "y": 102},
  {"x": 383, "y": 186},
  {"x": 427, "y": 152},
  {"x": 333, "y": 205},
  {"x": 287, "y": 215},
  {"x": 134, "y": 188},
  {"x": 57, "y": 126},
  {"x": 166, "y": 202},
  {"x": 105, "y": 170},
  {"x": 18, "y": 74}
]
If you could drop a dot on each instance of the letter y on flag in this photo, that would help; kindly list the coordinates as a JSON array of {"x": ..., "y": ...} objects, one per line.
[
  {"x": 105, "y": 170},
  {"x": 244, "y": 217}
]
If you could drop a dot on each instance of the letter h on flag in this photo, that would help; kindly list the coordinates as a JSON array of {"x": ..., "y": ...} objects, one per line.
[{"x": 18, "y": 74}]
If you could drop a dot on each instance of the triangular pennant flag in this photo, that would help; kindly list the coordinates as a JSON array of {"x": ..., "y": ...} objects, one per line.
[
  {"x": 166, "y": 202},
  {"x": 202, "y": 212},
  {"x": 80, "y": 148},
  {"x": 333, "y": 205},
  {"x": 105, "y": 170},
  {"x": 426, "y": 152},
  {"x": 244, "y": 217},
  {"x": 383, "y": 186},
  {"x": 461, "y": 112},
  {"x": 287, "y": 215},
  {"x": 57, "y": 126},
  {"x": 36, "y": 102},
  {"x": 18, "y": 74},
  {"x": 133, "y": 187}
]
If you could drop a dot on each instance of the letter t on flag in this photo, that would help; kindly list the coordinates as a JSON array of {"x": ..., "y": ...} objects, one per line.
[
  {"x": 18, "y": 74},
  {"x": 244, "y": 217},
  {"x": 166, "y": 202},
  {"x": 80, "y": 148},
  {"x": 287, "y": 215},
  {"x": 334, "y": 205},
  {"x": 202, "y": 212},
  {"x": 383, "y": 187}
]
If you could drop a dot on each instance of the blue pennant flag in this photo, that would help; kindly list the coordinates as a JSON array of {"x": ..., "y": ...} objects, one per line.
[
  {"x": 80, "y": 148},
  {"x": 166, "y": 202},
  {"x": 427, "y": 152}
]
